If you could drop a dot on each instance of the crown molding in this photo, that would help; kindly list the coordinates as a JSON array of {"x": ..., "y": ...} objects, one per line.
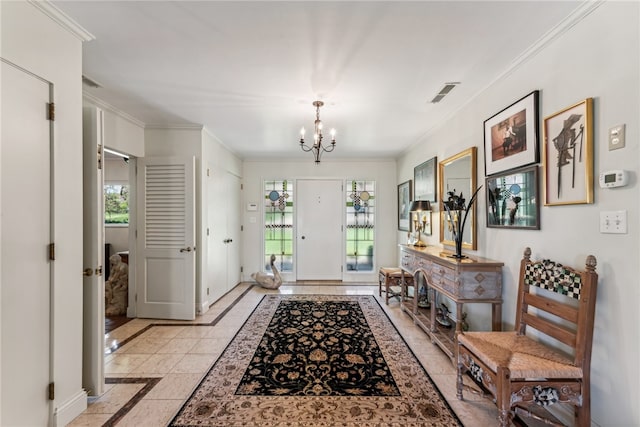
[
  {"x": 63, "y": 20},
  {"x": 562, "y": 27},
  {"x": 106, "y": 106},
  {"x": 578, "y": 14},
  {"x": 180, "y": 126}
]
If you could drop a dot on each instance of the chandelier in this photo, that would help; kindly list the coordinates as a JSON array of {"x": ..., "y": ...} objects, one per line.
[{"x": 317, "y": 148}]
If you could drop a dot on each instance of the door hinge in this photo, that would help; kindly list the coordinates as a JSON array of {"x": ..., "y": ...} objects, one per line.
[
  {"x": 135, "y": 297},
  {"x": 51, "y": 111},
  {"x": 99, "y": 156},
  {"x": 242, "y": 228},
  {"x": 207, "y": 231},
  {"x": 52, "y": 251},
  {"x": 208, "y": 170},
  {"x": 242, "y": 186},
  {"x": 241, "y": 269},
  {"x": 52, "y": 394},
  {"x": 341, "y": 269}
]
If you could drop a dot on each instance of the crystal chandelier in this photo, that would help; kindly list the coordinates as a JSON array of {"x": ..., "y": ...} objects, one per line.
[{"x": 317, "y": 148}]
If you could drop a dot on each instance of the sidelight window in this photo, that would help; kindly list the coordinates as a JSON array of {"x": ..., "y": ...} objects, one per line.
[
  {"x": 278, "y": 224},
  {"x": 360, "y": 222}
]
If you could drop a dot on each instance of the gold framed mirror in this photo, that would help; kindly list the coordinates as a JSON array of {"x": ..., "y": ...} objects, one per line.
[{"x": 458, "y": 173}]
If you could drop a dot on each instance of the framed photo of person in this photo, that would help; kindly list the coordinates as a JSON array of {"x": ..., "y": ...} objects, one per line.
[{"x": 511, "y": 136}]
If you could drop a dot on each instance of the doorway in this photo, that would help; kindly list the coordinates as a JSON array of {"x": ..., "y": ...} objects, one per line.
[
  {"x": 117, "y": 218},
  {"x": 319, "y": 223}
]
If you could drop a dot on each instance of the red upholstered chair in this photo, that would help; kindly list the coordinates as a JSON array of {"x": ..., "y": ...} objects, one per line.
[
  {"x": 390, "y": 281},
  {"x": 523, "y": 373}
]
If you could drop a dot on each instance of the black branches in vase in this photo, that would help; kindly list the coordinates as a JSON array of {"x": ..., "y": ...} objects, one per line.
[{"x": 457, "y": 213}]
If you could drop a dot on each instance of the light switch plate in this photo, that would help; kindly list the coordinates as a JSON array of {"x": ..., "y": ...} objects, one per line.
[
  {"x": 616, "y": 137},
  {"x": 614, "y": 222}
]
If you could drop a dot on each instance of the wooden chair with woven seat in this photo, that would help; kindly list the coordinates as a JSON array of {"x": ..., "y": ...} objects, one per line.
[
  {"x": 390, "y": 282},
  {"x": 524, "y": 375}
]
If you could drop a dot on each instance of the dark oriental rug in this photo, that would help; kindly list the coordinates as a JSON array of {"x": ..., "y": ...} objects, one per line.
[{"x": 317, "y": 360}]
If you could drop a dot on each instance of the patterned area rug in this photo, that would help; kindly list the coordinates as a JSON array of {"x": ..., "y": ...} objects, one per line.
[{"x": 318, "y": 360}]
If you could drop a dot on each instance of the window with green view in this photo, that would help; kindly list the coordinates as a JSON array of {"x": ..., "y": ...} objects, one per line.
[
  {"x": 116, "y": 204},
  {"x": 278, "y": 224},
  {"x": 360, "y": 205}
]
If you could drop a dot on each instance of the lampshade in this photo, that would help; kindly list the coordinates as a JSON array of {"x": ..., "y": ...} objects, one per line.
[{"x": 420, "y": 205}]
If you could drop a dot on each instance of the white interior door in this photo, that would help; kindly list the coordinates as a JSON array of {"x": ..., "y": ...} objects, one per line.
[
  {"x": 319, "y": 216},
  {"x": 217, "y": 203},
  {"x": 25, "y": 233},
  {"x": 223, "y": 271},
  {"x": 166, "y": 238},
  {"x": 93, "y": 252},
  {"x": 233, "y": 229}
]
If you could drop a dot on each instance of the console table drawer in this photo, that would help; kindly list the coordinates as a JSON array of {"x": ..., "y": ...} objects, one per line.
[{"x": 407, "y": 262}]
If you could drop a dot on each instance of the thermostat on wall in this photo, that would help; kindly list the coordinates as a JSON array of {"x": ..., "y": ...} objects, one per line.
[{"x": 614, "y": 178}]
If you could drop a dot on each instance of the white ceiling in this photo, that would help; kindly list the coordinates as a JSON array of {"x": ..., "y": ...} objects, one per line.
[{"x": 249, "y": 71}]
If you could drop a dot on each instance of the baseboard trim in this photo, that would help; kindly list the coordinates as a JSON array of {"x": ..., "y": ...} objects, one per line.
[
  {"x": 69, "y": 410},
  {"x": 202, "y": 307}
]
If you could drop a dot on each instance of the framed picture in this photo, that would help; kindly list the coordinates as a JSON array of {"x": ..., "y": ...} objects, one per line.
[
  {"x": 511, "y": 136},
  {"x": 568, "y": 155},
  {"x": 513, "y": 199},
  {"x": 424, "y": 180},
  {"x": 404, "y": 202}
]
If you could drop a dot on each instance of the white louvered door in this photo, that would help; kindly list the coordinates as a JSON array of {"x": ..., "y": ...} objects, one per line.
[{"x": 166, "y": 238}]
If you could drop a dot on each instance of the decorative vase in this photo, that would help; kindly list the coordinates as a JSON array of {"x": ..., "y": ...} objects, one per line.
[{"x": 454, "y": 206}]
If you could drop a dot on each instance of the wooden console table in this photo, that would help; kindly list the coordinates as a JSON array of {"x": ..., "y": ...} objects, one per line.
[{"x": 469, "y": 280}]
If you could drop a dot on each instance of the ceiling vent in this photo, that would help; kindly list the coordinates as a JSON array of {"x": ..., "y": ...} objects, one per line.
[
  {"x": 444, "y": 91},
  {"x": 89, "y": 82}
]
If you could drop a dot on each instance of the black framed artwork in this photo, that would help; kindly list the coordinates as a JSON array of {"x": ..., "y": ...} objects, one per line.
[
  {"x": 424, "y": 180},
  {"x": 511, "y": 136},
  {"x": 513, "y": 199}
]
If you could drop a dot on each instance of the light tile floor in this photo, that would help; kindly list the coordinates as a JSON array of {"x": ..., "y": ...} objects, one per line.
[{"x": 163, "y": 364}]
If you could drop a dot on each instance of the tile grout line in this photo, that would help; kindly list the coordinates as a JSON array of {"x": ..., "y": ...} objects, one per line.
[{"x": 153, "y": 381}]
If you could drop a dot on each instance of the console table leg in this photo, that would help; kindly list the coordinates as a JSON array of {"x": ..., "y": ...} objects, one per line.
[{"x": 496, "y": 316}]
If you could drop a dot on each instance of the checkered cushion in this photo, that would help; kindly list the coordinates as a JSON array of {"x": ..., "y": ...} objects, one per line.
[{"x": 553, "y": 277}]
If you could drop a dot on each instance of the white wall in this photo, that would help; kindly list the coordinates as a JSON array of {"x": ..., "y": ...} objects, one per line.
[
  {"x": 383, "y": 172},
  {"x": 35, "y": 42},
  {"x": 598, "y": 58}
]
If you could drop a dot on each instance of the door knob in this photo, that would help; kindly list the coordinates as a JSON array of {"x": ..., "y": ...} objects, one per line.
[
  {"x": 187, "y": 249},
  {"x": 303, "y": 237},
  {"x": 87, "y": 272}
]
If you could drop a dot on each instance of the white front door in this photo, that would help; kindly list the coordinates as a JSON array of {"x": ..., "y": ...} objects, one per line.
[
  {"x": 93, "y": 252},
  {"x": 166, "y": 285},
  {"x": 25, "y": 233},
  {"x": 320, "y": 208}
]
